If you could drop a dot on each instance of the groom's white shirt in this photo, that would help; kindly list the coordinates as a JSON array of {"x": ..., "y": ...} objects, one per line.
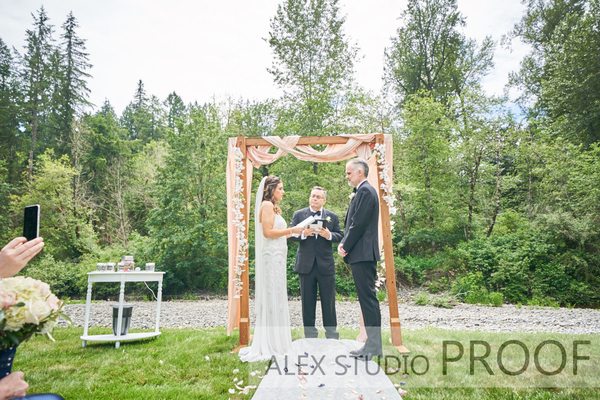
[
  {"x": 302, "y": 237},
  {"x": 361, "y": 182}
]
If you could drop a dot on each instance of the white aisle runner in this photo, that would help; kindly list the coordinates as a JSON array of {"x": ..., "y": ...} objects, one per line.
[{"x": 323, "y": 369}]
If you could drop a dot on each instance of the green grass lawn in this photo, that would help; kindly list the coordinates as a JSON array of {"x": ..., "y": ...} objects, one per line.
[{"x": 198, "y": 364}]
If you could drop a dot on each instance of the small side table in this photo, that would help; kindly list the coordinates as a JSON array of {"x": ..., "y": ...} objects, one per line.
[{"x": 122, "y": 277}]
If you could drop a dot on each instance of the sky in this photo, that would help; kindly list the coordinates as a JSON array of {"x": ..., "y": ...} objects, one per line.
[{"x": 215, "y": 49}]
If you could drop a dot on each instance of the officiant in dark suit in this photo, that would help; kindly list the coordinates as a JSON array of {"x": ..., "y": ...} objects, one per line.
[
  {"x": 314, "y": 263},
  {"x": 360, "y": 249}
]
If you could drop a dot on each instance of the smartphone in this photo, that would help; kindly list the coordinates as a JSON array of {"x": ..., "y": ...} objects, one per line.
[{"x": 31, "y": 221}]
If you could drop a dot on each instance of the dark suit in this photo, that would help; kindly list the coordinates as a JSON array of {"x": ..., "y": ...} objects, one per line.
[
  {"x": 361, "y": 243},
  {"x": 316, "y": 269}
]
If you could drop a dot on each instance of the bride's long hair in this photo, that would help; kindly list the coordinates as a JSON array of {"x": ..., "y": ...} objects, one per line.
[{"x": 271, "y": 184}]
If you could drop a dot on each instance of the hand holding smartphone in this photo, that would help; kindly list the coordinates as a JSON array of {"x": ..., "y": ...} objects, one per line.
[
  {"x": 31, "y": 222},
  {"x": 17, "y": 253}
]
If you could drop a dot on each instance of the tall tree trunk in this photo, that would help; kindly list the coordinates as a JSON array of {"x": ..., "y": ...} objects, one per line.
[
  {"x": 529, "y": 180},
  {"x": 430, "y": 217},
  {"x": 76, "y": 140},
  {"x": 34, "y": 131},
  {"x": 400, "y": 201},
  {"x": 116, "y": 196},
  {"x": 498, "y": 190},
  {"x": 497, "y": 195},
  {"x": 529, "y": 191},
  {"x": 473, "y": 178}
]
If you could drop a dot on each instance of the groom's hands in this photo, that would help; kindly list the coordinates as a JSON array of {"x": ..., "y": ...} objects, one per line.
[
  {"x": 325, "y": 233},
  {"x": 341, "y": 250},
  {"x": 309, "y": 232}
]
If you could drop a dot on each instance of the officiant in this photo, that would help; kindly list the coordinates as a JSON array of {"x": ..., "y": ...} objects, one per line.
[{"x": 314, "y": 262}]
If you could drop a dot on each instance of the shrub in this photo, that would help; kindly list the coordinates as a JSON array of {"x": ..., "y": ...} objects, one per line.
[
  {"x": 542, "y": 301},
  {"x": 438, "y": 285},
  {"x": 496, "y": 299},
  {"x": 527, "y": 263},
  {"x": 414, "y": 270},
  {"x": 422, "y": 299},
  {"x": 470, "y": 287},
  {"x": 442, "y": 302},
  {"x": 67, "y": 280},
  {"x": 478, "y": 297}
]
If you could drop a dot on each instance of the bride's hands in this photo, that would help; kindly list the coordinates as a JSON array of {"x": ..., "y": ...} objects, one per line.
[{"x": 295, "y": 230}]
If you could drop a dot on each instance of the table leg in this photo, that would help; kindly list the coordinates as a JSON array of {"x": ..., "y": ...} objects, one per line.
[
  {"x": 120, "y": 313},
  {"x": 88, "y": 308},
  {"x": 158, "y": 301}
]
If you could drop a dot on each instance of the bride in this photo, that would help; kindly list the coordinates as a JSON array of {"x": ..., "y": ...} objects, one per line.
[{"x": 272, "y": 332}]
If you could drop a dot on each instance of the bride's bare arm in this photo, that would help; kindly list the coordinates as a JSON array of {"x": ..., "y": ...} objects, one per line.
[{"x": 267, "y": 219}]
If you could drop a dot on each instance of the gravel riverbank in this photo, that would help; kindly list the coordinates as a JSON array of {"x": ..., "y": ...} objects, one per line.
[{"x": 213, "y": 313}]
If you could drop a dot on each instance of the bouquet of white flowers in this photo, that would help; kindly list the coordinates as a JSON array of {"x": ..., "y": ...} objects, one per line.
[{"x": 27, "y": 307}]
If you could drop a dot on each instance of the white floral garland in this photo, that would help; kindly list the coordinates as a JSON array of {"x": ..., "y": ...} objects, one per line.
[
  {"x": 386, "y": 184},
  {"x": 239, "y": 222},
  {"x": 388, "y": 197}
]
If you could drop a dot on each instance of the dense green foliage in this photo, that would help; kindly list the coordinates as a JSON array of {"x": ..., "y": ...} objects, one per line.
[{"x": 494, "y": 204}]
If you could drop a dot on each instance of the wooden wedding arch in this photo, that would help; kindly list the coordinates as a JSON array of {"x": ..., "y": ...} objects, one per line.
[{"x": 245, "y": 152}]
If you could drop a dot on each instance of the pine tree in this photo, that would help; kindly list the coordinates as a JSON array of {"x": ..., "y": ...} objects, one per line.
[
  {"x": 176, "y": 111},
  {"x": 144, "y": 116},
  {"x": 37, "y": 78},
  {"x": 73, "y": 96},
  {"x": 10, "y": 135}
]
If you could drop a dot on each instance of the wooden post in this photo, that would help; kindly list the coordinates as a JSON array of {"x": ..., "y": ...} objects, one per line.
[
  {"x": 390, "y": 273},
  {"x": 245, "y": 292}
]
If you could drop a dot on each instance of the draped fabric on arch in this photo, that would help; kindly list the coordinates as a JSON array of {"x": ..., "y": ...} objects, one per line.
[{"x": 356, "y": 146}]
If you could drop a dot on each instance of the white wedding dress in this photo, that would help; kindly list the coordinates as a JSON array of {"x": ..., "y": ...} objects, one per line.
[{"x": 272, "y": 332}]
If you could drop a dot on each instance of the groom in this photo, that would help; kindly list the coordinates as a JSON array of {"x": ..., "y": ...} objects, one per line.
[
  {"x": 315, "y": 266},
  {"x": 360, "y": 249}
]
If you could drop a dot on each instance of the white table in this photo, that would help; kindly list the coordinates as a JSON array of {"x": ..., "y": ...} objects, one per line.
[{"x": 122, "y": 277}]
